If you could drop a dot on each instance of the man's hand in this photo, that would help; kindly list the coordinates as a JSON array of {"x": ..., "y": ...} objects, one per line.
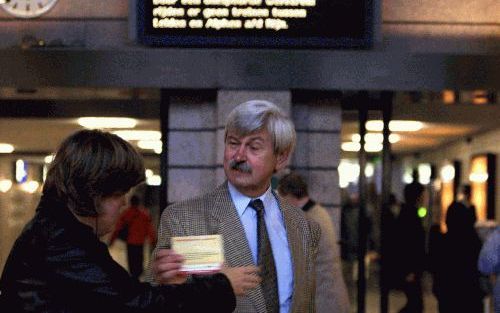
[
  {"x": 166, "y": 267},
  {"x": 242, "y": 279}
]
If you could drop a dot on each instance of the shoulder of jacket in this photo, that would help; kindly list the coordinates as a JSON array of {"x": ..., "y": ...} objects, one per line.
[{"x": 199, "y": 203}]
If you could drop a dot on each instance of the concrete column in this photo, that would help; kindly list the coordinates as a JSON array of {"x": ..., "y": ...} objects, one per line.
[
  {"x": 317, "y": 155},
  {"x": 192, "y": 144}
]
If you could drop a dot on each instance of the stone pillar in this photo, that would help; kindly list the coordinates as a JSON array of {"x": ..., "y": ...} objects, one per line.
[
  {"x": 192, "y": 144},
  {"x": 317, "y": 155}
]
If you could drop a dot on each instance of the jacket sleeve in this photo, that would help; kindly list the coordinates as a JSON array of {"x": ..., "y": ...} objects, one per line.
[
  {"x": 167, "y": 227},
  {"x": 489, "y": 262},
  {"x": 90, "y": 277}
]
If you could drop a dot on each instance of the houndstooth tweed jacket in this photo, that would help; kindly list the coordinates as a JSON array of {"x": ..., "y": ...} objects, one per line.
[{"x": 215, "y": 213}]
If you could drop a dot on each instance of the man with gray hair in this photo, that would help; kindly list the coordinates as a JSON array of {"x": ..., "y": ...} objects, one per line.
[{"x": 257, "y": 226}]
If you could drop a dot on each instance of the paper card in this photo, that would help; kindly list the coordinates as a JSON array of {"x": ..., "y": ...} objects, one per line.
[{"x": 203, "y": 254}]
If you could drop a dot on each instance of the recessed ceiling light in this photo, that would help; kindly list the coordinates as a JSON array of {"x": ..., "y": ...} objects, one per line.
[
  {"x": 155, "y": 145},
  {"x": 5, "y": 185},
  {"x": 350, "y": 146},
  {"x": 49, "y": 158},
  {"x": 395, "y": 125},
  {"x": 107, "y": 122},
  {"x": 376, "y": 138},
  {"x": 6, "y": 148},
  {"x": 138, "y": 134}
]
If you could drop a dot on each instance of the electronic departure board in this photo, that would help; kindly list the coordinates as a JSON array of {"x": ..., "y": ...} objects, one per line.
[{"x": 255, "y": 23}]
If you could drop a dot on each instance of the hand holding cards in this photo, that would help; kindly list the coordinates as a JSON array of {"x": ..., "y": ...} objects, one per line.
[{"x": 203, "y": 254}]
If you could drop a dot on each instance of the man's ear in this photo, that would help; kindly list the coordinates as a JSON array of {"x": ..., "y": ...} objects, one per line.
[{"x": 281, "y": 161}]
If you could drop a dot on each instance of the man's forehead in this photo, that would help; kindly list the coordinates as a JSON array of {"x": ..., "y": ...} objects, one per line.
[{"x": 262, "y": 134}]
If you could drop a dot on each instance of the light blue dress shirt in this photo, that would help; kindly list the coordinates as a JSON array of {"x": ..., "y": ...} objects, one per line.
[{"x": 276, "y": 231}]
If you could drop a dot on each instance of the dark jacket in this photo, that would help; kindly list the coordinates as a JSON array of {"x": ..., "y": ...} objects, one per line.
[
  {"x": 410, "y": 242},
  {"x": 59, "y": 265}
]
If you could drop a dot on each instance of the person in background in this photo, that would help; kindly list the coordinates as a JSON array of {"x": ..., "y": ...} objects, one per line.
[
  {"x": 59, "y": 263},
  {"x": 257, "y": 226},
  {"x": 137, "y": 221},
  {"x": 349, "y": 237},
  {"x": 465, "y": 197},
  {"x": 489, "y": 263},
  {"x": 456, "y": 277},
  {"x": 410, "y": 246},
  {"x": 331, "y": 291}
]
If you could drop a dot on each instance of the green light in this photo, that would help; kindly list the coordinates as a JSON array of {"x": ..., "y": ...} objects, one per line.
[{"x": 422, "y": 212}]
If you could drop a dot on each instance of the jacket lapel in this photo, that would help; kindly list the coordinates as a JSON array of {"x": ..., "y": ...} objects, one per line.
[
  {"x": 236, "y": 248},
  {"x": 295, "y": 244}
]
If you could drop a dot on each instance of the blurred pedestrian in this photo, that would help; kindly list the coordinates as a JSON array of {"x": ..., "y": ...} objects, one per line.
[
  {"x": 331, "y": 291},
  {"x": 489, "y": 263},
  {"x": 465, "y": 197},
  {"x": 136, "y": 227},
  {"x": 349, "y": 237},
  {"x": 410, "y": 245},
  {"x": 456, "y": 276}
]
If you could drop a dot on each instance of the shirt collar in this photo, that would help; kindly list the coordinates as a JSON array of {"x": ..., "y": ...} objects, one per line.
[{"x": 241, "y": 201}]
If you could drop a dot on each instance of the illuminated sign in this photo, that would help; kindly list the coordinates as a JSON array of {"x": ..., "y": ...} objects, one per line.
[{"x": 255, "y": 23}]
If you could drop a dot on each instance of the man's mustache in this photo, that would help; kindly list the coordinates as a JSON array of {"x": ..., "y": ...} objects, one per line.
[{"x": 240, "y": 166}]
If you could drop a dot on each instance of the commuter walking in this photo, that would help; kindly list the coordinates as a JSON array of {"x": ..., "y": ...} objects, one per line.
[
  {"x": 489, "y": 263},
  {"x": 136, "y": 226},
  {"x": 456, "y": 276},
  {"x": 410, "y": 244}
]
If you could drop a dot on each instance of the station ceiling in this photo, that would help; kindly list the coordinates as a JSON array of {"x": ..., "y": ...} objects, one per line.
[{"x": 31, "y": 132}]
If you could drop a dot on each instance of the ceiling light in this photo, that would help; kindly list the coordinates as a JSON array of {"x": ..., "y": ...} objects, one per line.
[
  {"x": 395, "y": 126},
  {"x": 30, "y": 186},
  {"x": 49, "y": 158},
  {"x": 21, "y": 171},
  {"x": 107, "y": 122},
  {"x": 376, "y": 138},
  {"x": 405, "y": 126},
  {"x": 350, "y": 146},
  {"x": 424, "y": 173},
  {"x": 149, "y": 172},
  {"x": 138, "y": 134},
  {"x": 6, "y": 148},
  {"x": 478, "y": 177},
  {"x": 155, "y": 145},
  {"x": 369, "y": 170},
  {"x": 356, "y": 146},
  {"x": 448, "y": 96},
  {"x": 375, "y": 125},
  {"x": 373, "y": 147},
  {"x": 5, "y": 185},
  {"x": 348, "y": 172},
  {"x": 447, "y": 173},
  {"x": 154, "y": 180}
]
